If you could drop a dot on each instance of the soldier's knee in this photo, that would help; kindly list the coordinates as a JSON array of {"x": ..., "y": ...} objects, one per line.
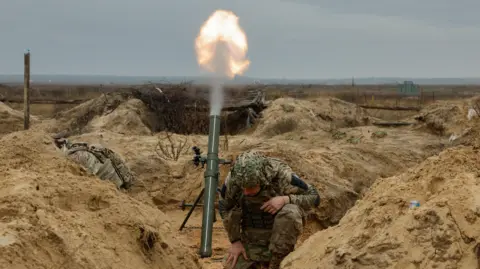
[
  {"x": 290, "y": 211},
  {"x": 288, "y": 226}
]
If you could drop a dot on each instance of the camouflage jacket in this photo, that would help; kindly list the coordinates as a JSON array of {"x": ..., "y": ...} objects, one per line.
[
  {"x": 275, "y": 175},
  {"x": 101, "y": 161}
]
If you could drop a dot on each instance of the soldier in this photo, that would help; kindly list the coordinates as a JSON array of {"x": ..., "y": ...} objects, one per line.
[
  {"x": 100, "y": 161},
  {"x": 263, "y": 206}
]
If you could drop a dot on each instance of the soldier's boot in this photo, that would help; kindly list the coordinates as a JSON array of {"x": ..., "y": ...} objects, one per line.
[{"x": 276, "y": 260}]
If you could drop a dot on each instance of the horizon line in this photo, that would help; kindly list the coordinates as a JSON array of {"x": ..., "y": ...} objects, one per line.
[{"x": 242, "y": 76}]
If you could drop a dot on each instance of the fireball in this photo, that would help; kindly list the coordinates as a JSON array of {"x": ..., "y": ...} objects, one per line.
[{"x": 222, "y": 27}]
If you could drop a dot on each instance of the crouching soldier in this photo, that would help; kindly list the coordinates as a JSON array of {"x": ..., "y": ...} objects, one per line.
[{"x": 263, "y": 206}]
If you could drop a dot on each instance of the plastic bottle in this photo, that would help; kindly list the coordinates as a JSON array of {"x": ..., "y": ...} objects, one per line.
[{"x": 414, "y": 204}]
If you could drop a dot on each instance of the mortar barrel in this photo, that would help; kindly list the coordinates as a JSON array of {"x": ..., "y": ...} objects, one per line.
[{"x": 211, "y": 183}]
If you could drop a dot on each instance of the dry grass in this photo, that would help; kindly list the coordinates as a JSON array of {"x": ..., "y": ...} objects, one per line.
[
  {"x": 147, "y": 238},
  {"x": 169, "y": 148},
  {"x": 282, "y": 126}
]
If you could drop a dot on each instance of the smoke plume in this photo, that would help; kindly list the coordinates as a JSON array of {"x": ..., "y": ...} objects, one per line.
[
  {"x": 221, "y": 47},
  {"x": 221, "y": 71}
]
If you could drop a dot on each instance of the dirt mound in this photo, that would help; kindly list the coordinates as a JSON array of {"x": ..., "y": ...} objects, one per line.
[
  {"x": 131, "y": 117},
  {"x": 11, "y": 120},
  {"x": 381, "y": 231},
  {"x": 76, "y": 120},
  {"x": 456, "y": 120},
  {"x": 443, "y": 117},
  {"x": 470, "y": 136},
  {"x": 341, "y": 168},
  {"x": 467, "y": 132},
  {"x": 291, "y": 115},
  {"x": 116, "y": 112},
  {"x": 53, "y": 215}
]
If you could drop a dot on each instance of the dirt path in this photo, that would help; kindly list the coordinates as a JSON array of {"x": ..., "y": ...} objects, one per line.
[{"x": 191, "y": 235}]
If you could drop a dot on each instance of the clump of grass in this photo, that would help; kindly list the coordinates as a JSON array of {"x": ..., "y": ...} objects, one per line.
[
  {"x": 282, "y": 126},
  {"x": 148, "y": 238}
]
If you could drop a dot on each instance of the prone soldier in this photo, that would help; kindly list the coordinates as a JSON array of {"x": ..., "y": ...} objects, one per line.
[{"x": 98, "y": 160}]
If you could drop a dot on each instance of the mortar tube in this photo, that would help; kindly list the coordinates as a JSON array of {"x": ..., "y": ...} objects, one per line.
[{"x": 211, "y": 183}]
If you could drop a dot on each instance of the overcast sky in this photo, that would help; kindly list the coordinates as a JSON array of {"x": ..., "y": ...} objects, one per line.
[{"x": 287, "y": 38}]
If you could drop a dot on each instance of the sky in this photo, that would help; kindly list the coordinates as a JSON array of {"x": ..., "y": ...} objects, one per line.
[{"x": 312, "y": 39}]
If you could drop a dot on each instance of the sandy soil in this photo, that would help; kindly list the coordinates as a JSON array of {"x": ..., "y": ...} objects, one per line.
[
  {"x": 381, "y": 231},
  {"x": 53, "y": 213},
  {"x": 11, "y": 120}
]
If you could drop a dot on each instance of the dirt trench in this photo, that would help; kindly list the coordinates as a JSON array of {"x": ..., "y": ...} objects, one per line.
[
  {"x": 53, "y": 214},
  {"x": 341, "y": 168},
  {"x": 338, "y": 152}
]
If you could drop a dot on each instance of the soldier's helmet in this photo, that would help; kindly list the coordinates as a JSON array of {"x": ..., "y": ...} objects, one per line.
[
  {"x": 97, "y": 147},
  {"x": 60, "y": 142},
  {"x": 249, "y": 169}
]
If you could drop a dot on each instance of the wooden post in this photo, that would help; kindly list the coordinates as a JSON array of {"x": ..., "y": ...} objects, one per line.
[{"x": 26, "y": 91}]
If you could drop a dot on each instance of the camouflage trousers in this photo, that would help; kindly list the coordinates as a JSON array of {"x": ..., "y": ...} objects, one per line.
[{"x": 260, "y": 244}]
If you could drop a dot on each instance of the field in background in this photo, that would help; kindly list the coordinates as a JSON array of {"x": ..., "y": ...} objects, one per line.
[{"x": 48, "y": 99}]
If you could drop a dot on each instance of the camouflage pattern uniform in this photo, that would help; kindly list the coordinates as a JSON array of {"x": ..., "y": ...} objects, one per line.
[
  {"x": 267, "y": 238},
  {"x": 100, "y": 161}
]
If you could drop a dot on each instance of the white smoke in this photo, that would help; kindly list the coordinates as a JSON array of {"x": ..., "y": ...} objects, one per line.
[
  {"x": 216, "y": 97},
  {"x": 220, "y": 63}
]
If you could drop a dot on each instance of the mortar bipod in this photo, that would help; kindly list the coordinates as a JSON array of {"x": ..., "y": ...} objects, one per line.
[{"x": 183, "y": 205}]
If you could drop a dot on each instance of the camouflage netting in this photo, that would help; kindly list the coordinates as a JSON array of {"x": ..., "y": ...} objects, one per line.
[
  {"x": 171, "y": 110},
  {"x": 179, "y": 111}
]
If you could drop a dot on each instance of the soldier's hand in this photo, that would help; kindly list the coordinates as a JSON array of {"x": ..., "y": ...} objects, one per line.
[
  {"x": 235, "y": 251},
  {"x": 273, "y": 205}
]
